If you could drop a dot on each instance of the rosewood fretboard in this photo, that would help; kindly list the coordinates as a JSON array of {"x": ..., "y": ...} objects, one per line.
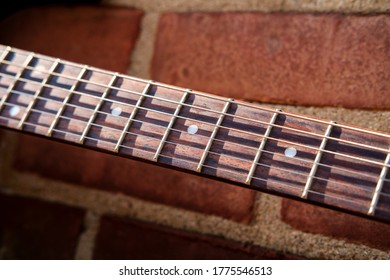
[{"x": 268, "y": 150}]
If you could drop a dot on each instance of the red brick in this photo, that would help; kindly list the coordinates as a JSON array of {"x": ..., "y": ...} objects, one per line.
[
  {"x": 294, "y": 58},
  {"x": 130, "y": 239},
  {"x": 93, "y": 169},
  {"x": 33, "y": 229},
  {"x": 95, "y": 35},
  {"x": 313, "y": 219},
  {"x": 105, "y": 37}
]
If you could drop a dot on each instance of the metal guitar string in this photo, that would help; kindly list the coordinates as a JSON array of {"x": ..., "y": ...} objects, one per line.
[
  {"x": 161, "y": 155},
  {"x": 197, "y": 107},
  {"x": 210, "y": 167},
  {"x": 182, "y": 131},
  {"x": 374, "y": 162},
  {"x": 229, "y": 171},
  {"x": 197, "y": 148},
  {"x": 205, "y": 95},
  {"x": 211, "y": 124},
  {"x": 233, "y": 143},
  {"x": 179, "y": 131}
]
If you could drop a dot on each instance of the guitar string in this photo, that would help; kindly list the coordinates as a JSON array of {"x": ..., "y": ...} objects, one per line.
[
  {"x": 321, "y": 136},
  {"x": 294, "y": 143},
  {"x": 182, "y": 131},
  {"x": 283, "y": 184},
  {"x": 336, "y": 183},
  {"x": 256, "y": 134},
  {"x": 98, "y": 70},
  {"x": 382, "y": 164},
  {"x": 164, "y": 127},
  {"x": 366, "y": 132},
  {"x": 197, "y": 148},
  {"x": 279, "y": 190}
]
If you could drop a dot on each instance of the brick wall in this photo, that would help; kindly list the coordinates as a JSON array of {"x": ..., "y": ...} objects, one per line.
[{"x": 311, "y": 57}]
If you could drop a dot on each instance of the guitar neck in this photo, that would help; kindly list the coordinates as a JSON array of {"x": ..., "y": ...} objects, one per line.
[{"x": 321, "y": 162}]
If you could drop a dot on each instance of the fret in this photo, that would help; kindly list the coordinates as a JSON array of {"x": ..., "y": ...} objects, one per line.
[
  {"x": 261, "y": 147},
  {"x": 37, "y": 93},
  {"x": 97, "y": 108},
  {"x": 317, "y": 159},
  {"x": 132, "y": 115},
  {"x": 66, "y": 99},
  {"x": 269, "y": 150},
  {"x": 5, "y": 53},
  {"x": 213, "y": 134},
  {"x": 379, "y": 186},
  {"x": 17, "y": 77},
  {"x": 171, "y": 122}
]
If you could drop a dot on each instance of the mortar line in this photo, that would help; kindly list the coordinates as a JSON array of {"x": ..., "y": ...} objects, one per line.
[
  {"x": 275, "y": 236},
  {"x": 142, "y": 55},
  {"x": 86, "y": 243}
]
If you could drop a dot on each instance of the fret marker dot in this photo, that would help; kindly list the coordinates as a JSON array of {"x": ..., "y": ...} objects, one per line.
[
  {"x": 40, "y": 68},
  {"x": 290, "y": 152},
  {"x": 14, "y": 111},
  {"x": 116, "y": 111},
  {"x": 192, "y": 129}
]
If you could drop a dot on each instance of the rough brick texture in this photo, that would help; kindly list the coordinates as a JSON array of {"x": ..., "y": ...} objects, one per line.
[
  {"x": 307, "y": 59},
  {"x": 130, "y": 239},
  {"x": 104, "y": 37},
  {"x": 33, "y": 229},
  {"x": 98, "y": 36},
  {"x": 345, "y": 6},
  {"x": 290, "y": 58},
  {"x": 106, "y": 172},
  {"x": 313, "y": 219}
]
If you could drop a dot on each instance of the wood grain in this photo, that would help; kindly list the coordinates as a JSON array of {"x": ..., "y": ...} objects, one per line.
[{"x": 347, "y": 173}]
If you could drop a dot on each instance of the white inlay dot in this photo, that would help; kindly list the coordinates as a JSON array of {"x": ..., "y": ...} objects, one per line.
[
  {"x": 14, "y": 111},
  {"x": 290, "y": 152},
  {"x": 192, "y": 129},
  {"x": 40, "y": 68},
  {"x": 39, "y": 71},
  {"x": 116, "y": 111}
]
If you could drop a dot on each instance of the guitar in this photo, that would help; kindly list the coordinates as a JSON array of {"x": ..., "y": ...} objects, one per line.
[{"x": 317, "y": 161}]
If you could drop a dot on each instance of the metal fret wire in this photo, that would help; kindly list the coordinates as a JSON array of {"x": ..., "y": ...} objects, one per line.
[
  {"x": 5, "y": 53},
  {"x": 214, "y": 168},
  {"x": 132, "y": 117},
  {"x": 210, "y": 96},
  {"x": 261, "y": 148},
  {"x": 378, "y": 188},
  {"x": 216, "y": 112},
  {"x": 78, "y": 66},
  {"x": 232, "y": 129},
  {"x": 97, "y": 107},
  {"x": 37, "y": 92},
  {"x": 18, "y": 75},
  {"x": 66, "y": 99},
  {"x": 170, "y": 125},
  {"x": 316, "y": 161},
  {"x": 212, "y": 136},
  {"x": 222, "y": 141},
  {"x": 178, "y": 144}
]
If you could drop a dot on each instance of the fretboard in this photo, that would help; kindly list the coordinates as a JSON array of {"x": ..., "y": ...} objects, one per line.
[{"x": 317, "y": 161}]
